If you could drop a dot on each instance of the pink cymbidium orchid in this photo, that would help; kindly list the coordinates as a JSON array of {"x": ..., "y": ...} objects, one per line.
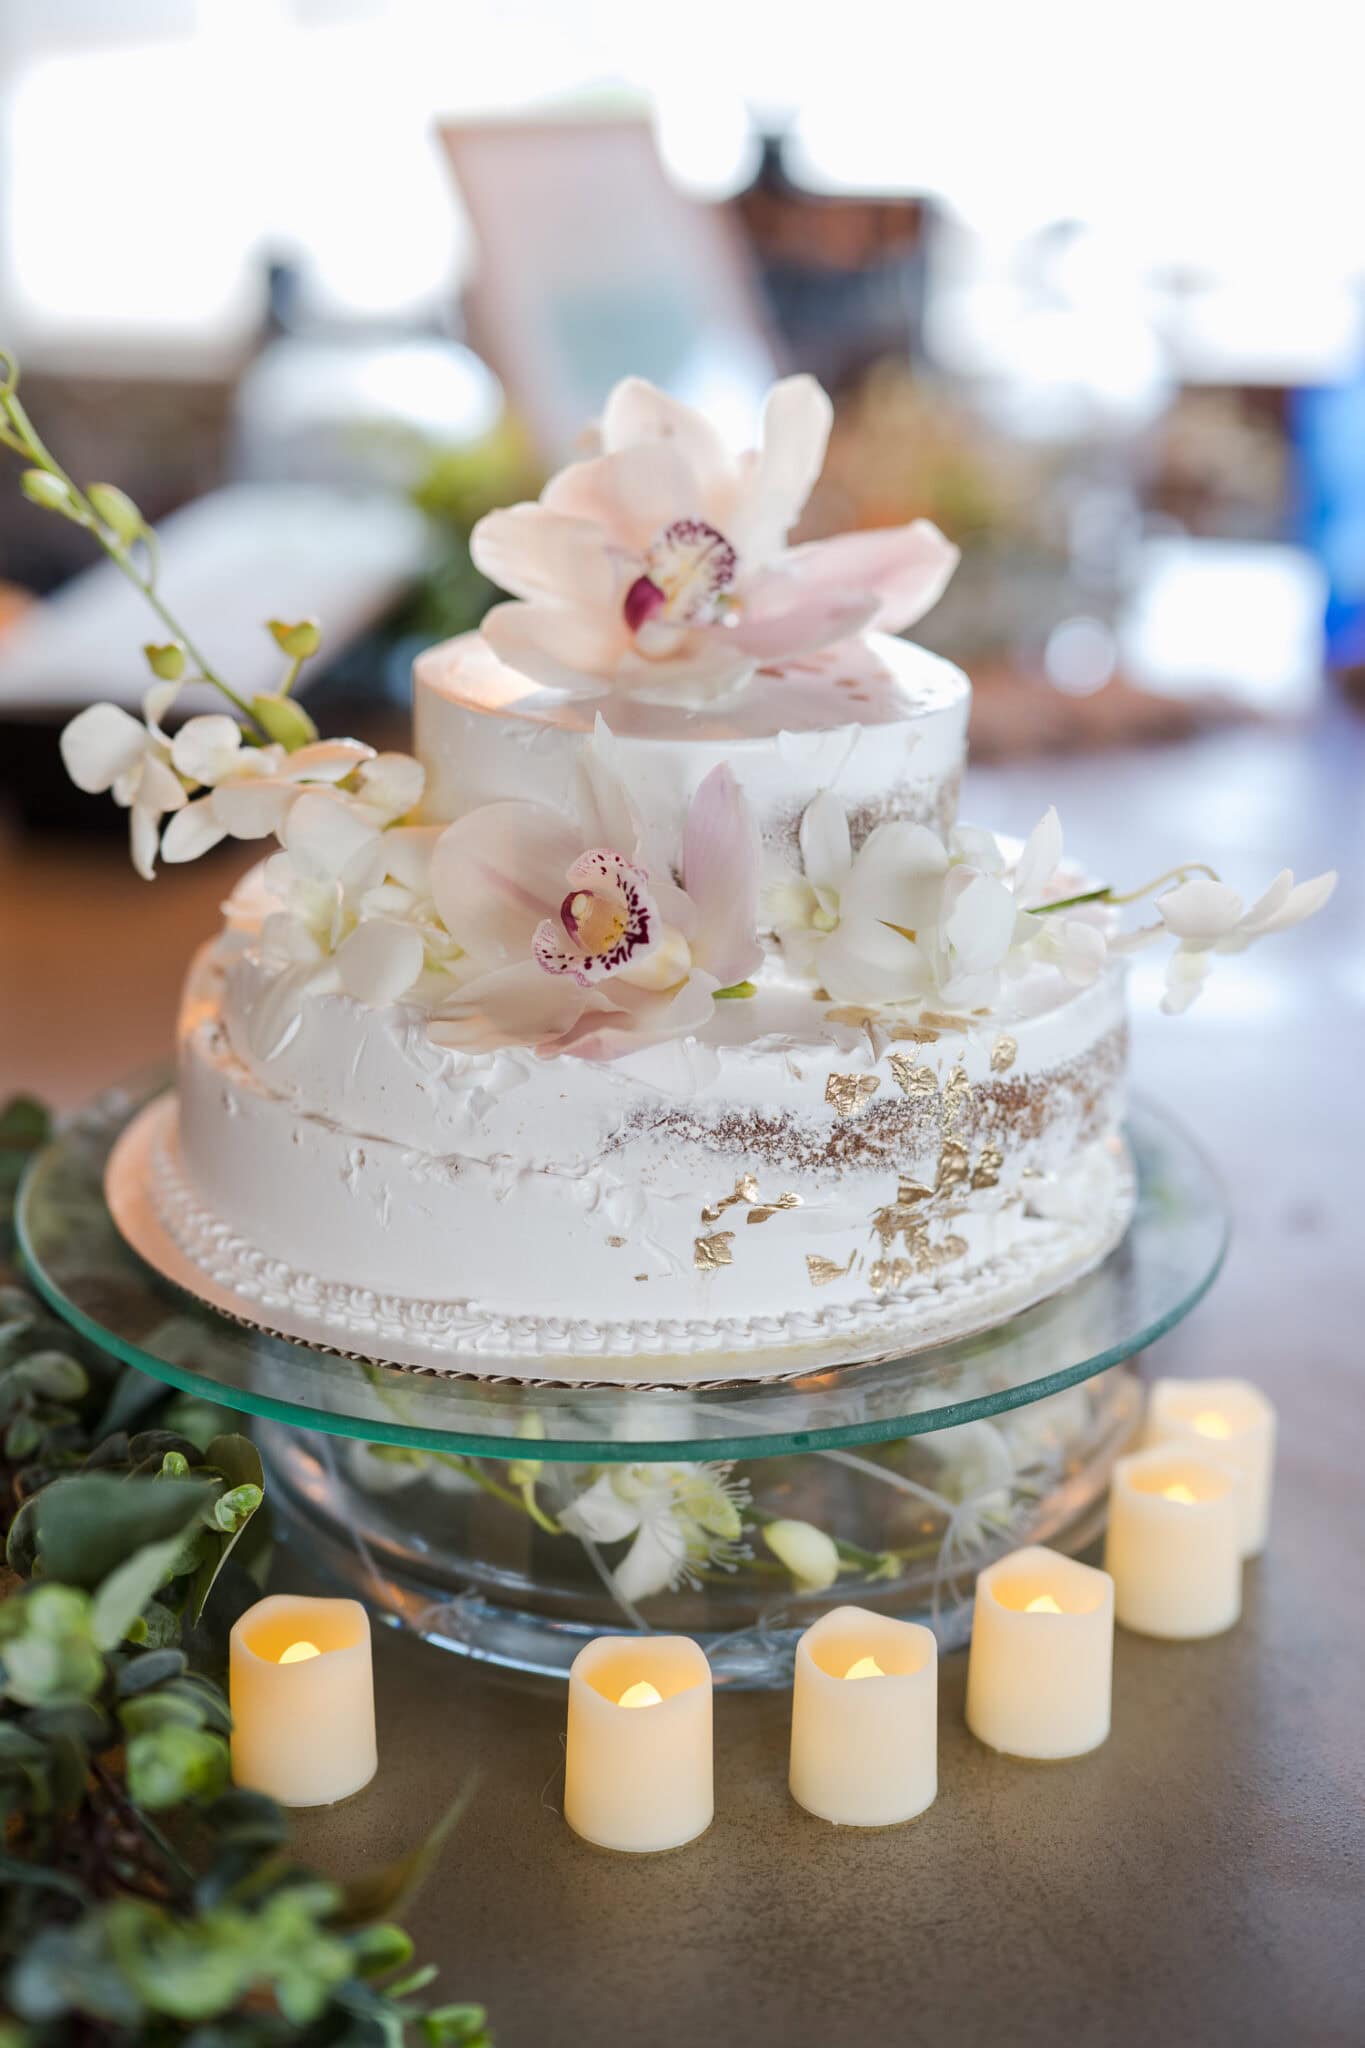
[
  {"x": 577, "y": 939},
  {"x": 660, "y": 564}
]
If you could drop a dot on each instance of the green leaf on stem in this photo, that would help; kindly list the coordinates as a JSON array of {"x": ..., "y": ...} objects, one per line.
[
  {"x": 127, "y": 1591},
  {"x": 169, "y": 1765},
  {"x": 91, "y": 1524},
  {"x": 380, "y": 1892}
]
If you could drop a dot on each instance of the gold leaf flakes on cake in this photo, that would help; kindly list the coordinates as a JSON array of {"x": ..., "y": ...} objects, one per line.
[
  {"x": 986, "y": 1172},
  {"x": 957, "y": 1094},
  {"x": 954, "y": 1167},
  {"x": 767, "y": 1209},
  {"x": 823, "y": 1270},
  {"x": 745, "y": 1190},
  {"x": 917, "y": 1032},
  {"x": 886, "y": 1274},
  {"x": 851, "y": 1013},
  {"x": 848, "y": 1093},
  {"x": 909, "y": 1076},
  {"x": 616, "y": 1243},
  {"x": 708, "y": 1253},
  {"x": 942, "y": 1021},
  {"x": 910, "y": 1191},
  {"x": 1004, "y": 1053}
]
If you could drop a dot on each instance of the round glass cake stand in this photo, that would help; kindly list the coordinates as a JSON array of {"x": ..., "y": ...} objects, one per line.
[{"x": 511, "y": 1520}]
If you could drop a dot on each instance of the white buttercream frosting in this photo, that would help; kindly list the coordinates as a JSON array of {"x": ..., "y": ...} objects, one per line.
[
  {"x": 791, "y": 1169},
  {"x": 885, "y": 729}
]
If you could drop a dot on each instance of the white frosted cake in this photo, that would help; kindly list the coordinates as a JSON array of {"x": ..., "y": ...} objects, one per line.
[
  {"x": 657, "y": 1019},
  {"x": 793, "y": 1168}
]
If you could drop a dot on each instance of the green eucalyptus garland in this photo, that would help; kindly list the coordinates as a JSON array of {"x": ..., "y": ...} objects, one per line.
[{"x": 143, "y": 1898}]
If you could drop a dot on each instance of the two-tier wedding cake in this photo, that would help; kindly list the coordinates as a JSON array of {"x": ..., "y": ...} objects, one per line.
[{"x": 656, "y": 1019}]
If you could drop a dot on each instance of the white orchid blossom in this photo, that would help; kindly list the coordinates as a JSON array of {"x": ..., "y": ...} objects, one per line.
[
  {"x": 578, "y": 937},
  {"x": 905, "y": 918},
  {"x": 252, "y": 789},
  {"x": 1074, "y": 940},
  {"x": 1208, "y": 918},
  {"x": 901, "y": 920},
  {"x": 660, "y": 564},
  {"x": 854, "y": 922},
  {"x": 682, "y": 1518},
  {"x": 355, "y": 915},
  {"x": 105, "y": 748}
]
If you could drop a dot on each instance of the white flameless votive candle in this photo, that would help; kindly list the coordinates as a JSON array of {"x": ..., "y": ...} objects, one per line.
[
  {"x": 1234, "y": 1421},
  {"x": 865, "y": 1719},
  {"x": 1174, "y": 1543},
  {"x": 1040, "y": 1668},
  {"x": 302, "y": 1694},
  {"x": 637, "y": 1769}
]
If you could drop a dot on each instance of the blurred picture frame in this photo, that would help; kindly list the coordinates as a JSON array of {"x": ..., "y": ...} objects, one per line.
[{"x": 591, "y": 265}]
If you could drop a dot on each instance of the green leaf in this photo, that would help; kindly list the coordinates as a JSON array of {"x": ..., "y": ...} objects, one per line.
[
  {"x": 245, "y": 1819},
  {"x": 47, "y": 1653},
  {"x": 738, "y": 991},
  {"x": 148, "y": 1711},
  {"x": 168, "y": 1766},
  {"x": 284, "y": 721},
  {"x": 238, "y": 1460},
  {"x": 13, "y": 1871},
  {"x": 377, "y": 1950},
  {"x": 455, "y": 2026},
  {"x": 70, "y": 1969},
  {"x": 89, "y": 1525},
  {"x": 21, "y": 1545},
  {"x": 117, "y": 511},
  {"x": 165, "y": 660},
  {"x": 54, "y": 1374},
  {"x": 24, "y": 1124},
  {"x": 298, "y": 641},
  {"x": 188, "y": 1969},
  {"x": 125, "y": 1593},
  {"x": 380, "y": 1892},
  {"x": 148, "y": 1668}
]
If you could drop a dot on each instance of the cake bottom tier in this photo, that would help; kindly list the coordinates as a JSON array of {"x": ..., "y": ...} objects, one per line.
[{"x": 1007, "y": 1259}]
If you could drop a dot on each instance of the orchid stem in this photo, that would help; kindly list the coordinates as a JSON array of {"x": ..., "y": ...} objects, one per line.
[
  {"x": 1106, "y": 895},
  {"x": 21, "y": 436}
]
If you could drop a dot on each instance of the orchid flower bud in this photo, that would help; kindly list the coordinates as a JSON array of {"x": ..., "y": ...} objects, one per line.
[
  {"x": 298, "y": 641},
  {"x": 165, "y": 660},
  {"x": 118, "y": 512},
  {"x": 807, "y": 1552},
  {"x": 281, "y": 719}
]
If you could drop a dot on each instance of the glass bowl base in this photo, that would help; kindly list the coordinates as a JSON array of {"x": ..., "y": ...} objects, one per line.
[{"x": 446, "y": 1550}]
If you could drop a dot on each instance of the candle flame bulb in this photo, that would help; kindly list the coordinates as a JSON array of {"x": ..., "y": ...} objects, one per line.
[
  {"x": 1210, "y": 1423},
  {"x": 641, "y": 1694},
  {"x": 1180, "y": 1492},
  {"x": 1042, "y": 1603},
  {"x": 866, "y": 1667},
  {"x": 297, "y": 1652}
]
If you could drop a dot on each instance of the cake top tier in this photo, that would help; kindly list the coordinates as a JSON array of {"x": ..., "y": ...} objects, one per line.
[{"x": 880, "y": 722}]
